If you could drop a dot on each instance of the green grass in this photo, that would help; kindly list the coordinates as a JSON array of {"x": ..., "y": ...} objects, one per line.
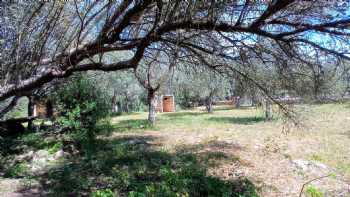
[{"x": 132, "y": 125}]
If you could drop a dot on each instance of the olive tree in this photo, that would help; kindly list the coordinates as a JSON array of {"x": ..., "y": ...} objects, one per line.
[{"x": 45, "y": 40}]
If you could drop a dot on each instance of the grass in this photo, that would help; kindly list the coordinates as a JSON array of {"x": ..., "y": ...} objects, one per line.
[
  {"x": 323, "y": 137},
  {"x": 312, "y": 191},
  {"x": 232, "y": 152},
  {"x": 18, "y": 170},
  {"x": 130, "y": 166},
  {"x": 237, "y": 120}
]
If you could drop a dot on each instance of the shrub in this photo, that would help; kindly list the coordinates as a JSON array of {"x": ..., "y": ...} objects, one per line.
[
  {"x": 81, "y": 105},
  {"x": 55, "y": 147},
  {"x": 18, "y": 170},
  {"x": 102, "y": 193}
]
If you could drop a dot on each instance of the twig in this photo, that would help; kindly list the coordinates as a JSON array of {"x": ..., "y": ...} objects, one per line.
[{"x": 312, "y": 180}]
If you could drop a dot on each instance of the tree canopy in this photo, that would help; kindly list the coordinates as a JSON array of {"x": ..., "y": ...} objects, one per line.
[{"x": 42, "y": 41}]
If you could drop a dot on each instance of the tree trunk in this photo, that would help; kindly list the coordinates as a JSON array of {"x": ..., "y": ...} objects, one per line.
[
  {"x": 268, "y": 110},
  {"x": 209, "y": 105},
  {"x": 152, "y": 103},
  {"x": 30, "y": 111},
  {"x": 114, "y": 103}
]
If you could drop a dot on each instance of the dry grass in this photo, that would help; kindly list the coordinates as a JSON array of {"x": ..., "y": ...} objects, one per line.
[{"x": 261, "y": 150}]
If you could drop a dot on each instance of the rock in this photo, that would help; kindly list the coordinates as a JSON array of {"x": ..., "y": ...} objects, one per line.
[
  {"x": 25, "y": 157},
  {"x": 59, "y": 154},
  {"x": 40, "y": 161},
  {"x": 311, "y": 166},
  {"x": 41, "y": 154}
]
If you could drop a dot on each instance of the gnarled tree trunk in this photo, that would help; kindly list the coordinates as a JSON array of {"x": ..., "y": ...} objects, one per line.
[
  {"x": 152, "y": 103},
  {"x": 209, "y": 104},
  {"x": 31, "y": 105},
  {"x": 114, "y": 103},
  {"x": 268, "y": 110}
]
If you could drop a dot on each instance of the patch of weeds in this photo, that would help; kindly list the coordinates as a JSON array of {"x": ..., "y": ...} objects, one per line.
[
  {"x": 237, "y": 120},
  {"x": 28, "y": 182},
  {"x": 333, "y": 175},
  {"x": 35, "y": 140},
  {"x": 103, "y": 193},
  {"x": 136, "y": 194},
  {"x": 127, "y": 125},
  {"x": 312, "y": 191},
  {"x": 17, "y": 170},
  {"x": 316, "y": 157},
  {"x": 287, "y": 156},
  {"x": 55, "y": 147},
  {"x": 105, "y": 127},
  {"x": 38, "y": 142},
  {"x": 131, "y": 167},
  {"x": 212, "y": 159},
  {"x": 68, "y": 179},
  {"x": 343, "y": 167}
]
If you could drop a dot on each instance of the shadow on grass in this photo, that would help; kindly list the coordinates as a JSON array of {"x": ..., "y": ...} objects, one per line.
[
  {"x": 133, "y": 166},
  {"x": 182, "y": 114},
  {"x": 223, "y": 108},
  {"x": 346, "y": 133},
  {"x": 237, "y": 120},
  {"x": 132, "y": 125}
]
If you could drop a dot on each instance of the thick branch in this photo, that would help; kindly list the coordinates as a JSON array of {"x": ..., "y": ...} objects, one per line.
[{"x": 10, "y": 106}]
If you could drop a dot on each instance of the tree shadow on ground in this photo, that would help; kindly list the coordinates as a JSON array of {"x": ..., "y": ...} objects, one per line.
[
  {"x": 346, "y": 133},
  {"x": 135, "y": 166},
  {"x": 237, "y": 120},
  {"x": 132, "y": 125},
  {"x": 223, "y": 108},
  {"x": 182, "y": 114}
]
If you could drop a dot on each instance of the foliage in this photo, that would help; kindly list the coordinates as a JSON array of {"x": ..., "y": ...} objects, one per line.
[
  {"x": 102, "y": 193},
  {"x": 130, "y": 167},
  {"x": 41, "y": 42},
  {"x": 81, "y": 105},
  {"x": 17, "y": 170},
  {"x": 55, "y": 147},
  {"x": 122, "y": 88},
  {"x": 200, "y": 86},
  {"x": 312, "y": 191}
]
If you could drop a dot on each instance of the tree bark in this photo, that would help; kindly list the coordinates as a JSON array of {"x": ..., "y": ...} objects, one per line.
[
  {"x": 268, "y": 110},
  {"x": 114, "y": 103},
  {"x": 152, "y": 103},
  {"x": 30, "y": 111},
  {"x": 9, "y": 107},
  {"x": 209, "y": 105}
]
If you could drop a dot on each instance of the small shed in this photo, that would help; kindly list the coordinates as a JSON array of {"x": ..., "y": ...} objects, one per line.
[{"x": 166, "y": 103}]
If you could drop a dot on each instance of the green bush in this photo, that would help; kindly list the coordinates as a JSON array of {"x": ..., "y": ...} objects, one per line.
[
  {"x": 102, "y": 193},
  {"x": 81, "y": 105},
  {"x": 55, "y": 147},
  {"x": 18, "y": 170}
]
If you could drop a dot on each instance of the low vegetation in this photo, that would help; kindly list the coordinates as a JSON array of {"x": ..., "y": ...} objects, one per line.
[{"x": 193, "y": 153}]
